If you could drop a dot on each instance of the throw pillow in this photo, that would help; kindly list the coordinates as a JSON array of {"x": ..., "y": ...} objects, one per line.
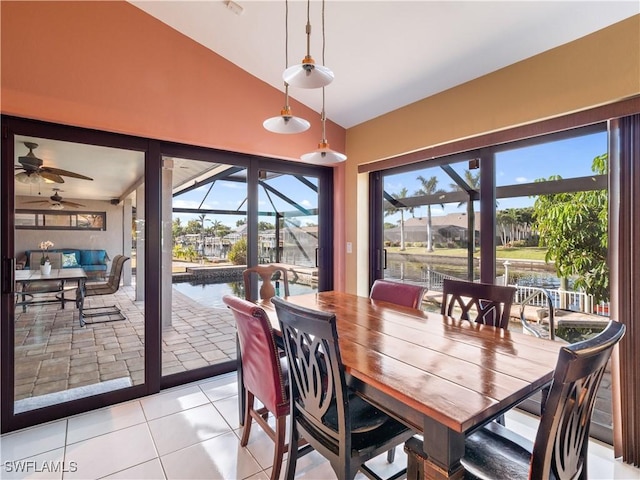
[{"x": 69, "y": 260}]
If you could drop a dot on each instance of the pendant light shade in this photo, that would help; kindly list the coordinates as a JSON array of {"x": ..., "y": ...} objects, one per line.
[
  {"x": 308, "y": 74},
  {"x": 323, "y": 155},
  {"x": 286, "y": 122}
]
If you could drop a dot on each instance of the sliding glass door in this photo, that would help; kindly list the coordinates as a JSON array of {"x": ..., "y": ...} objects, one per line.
[
  {"x": 73, "y": 303},
  {"x": 143, "y": 239}
]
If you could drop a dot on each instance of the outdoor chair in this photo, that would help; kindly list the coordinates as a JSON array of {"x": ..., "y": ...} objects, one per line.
[
  {"x": 405, "y": 294},
  {"x": 491, "y": 304},
  {"x": 337, "y": 423},
  {"x": 109, "y": 287},
  {"x": 266, "y": 274},
  {"x": 560, "y": 448},
  {"x": 265, "y": 375},
  {"x": 44, "y": 286}
]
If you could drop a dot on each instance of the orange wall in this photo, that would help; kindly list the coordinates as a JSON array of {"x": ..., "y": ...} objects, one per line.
[
  {"x": 110, "y": 66},
  {"x": 598, "y": 69}
]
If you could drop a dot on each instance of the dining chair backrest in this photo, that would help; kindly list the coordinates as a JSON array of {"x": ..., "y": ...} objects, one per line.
[
  {"x": 112, "y": 285},
  {"x": 261, "y": 369},
  {"x": 315, "y": 369},
  {"x": 267, "y": 274},
  {"x": 405, "y": 294},
  {"x": 561, "y": 443},
  {"x": 340, "y": 425},
  {"x": 485, "y": 303}
]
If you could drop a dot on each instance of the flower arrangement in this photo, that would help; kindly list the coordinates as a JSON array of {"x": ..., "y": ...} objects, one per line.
[{"x": 44, "y": 246}]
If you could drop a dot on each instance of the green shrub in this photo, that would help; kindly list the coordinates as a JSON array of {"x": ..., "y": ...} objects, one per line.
[{"x": 238, "y": 252}]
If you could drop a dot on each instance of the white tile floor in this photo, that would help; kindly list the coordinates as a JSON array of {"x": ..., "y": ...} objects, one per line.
[{"x": 190, "y": 432}]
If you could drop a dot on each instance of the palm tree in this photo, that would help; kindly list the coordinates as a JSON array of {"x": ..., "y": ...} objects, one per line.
[
  {"x": 398, "y": 207},
  {"x": 429, "y": 188}
]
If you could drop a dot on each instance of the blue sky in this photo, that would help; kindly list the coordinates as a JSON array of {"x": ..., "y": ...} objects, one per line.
[
  {"x": 567, "y": 158},
  {"x": 230, "y": 196}
]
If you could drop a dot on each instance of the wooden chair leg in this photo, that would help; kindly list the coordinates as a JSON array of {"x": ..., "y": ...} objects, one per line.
[
  {"x": 281, "y": 426},
  {"x": 248, "y": 405},
  {"x": 292, "y": 455}
]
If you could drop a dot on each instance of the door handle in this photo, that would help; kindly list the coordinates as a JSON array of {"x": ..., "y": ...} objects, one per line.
[
  {"x": 9, "y": 276},
  {"x": 384, "y": 252}
]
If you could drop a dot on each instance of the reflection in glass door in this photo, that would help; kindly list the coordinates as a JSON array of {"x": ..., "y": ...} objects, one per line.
[
  {"x": 288, "y": 227},
  {"x": 205, "y": 220},
  {"x": 79, "y": 311}
]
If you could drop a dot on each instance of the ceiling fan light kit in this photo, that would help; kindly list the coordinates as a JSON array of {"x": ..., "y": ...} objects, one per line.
[
  {"x": 24, "y": 177},
  {"x": 35, "y": 172}
]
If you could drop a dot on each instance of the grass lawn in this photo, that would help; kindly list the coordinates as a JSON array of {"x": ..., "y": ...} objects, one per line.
[{"x": 523, "y": 253}]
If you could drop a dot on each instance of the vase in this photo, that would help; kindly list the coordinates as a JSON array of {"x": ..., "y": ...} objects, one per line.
[{"x": 45, "y": 269}]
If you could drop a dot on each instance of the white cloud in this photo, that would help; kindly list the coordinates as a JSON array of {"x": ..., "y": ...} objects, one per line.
[{"x": 522, "y": 180}]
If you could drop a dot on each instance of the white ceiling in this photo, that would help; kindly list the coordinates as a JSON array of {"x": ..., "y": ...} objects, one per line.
[{"x": 385, "y": 54}]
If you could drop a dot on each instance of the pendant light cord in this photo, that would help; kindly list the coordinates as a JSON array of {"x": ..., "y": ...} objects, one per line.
[
  {"x": 323, "y": 117},
  {"x": 286, "y": 51}
]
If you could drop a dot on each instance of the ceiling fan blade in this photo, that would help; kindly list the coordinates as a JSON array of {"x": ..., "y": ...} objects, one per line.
[
  {"x": 37, "y": 201},
  {"x": 71, "y": 204},
  {"x": 66, "y": 173},
  {"x": 54, "y": 177}
]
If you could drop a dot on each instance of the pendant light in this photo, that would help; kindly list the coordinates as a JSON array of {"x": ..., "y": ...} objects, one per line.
[
  {"x": 286, "y": 122},
  {"x": 308, "y": 74},
  {"x": 323, "y": 155}
]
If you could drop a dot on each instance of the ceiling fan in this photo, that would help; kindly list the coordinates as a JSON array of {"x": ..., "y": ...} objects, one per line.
[
  {"x": 57, "y": 203},
  {"x": 35, "y": 172}
]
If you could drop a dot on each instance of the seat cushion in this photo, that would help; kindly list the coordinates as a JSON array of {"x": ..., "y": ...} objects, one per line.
[
  {"x": 364, "y": 416},
  {"x": 94, "y": 268},
  {"x": 495, "y": 452}
]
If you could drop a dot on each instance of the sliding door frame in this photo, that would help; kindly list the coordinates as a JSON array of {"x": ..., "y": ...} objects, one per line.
[{"x": 154, "y": 150}]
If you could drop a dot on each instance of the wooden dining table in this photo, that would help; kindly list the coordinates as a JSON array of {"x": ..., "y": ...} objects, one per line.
[{"x": 441, "y": 376}]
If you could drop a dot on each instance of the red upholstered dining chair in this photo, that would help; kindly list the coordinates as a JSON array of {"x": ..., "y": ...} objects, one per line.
[
  {"x": 405, "y": 294},
  {"x": 266, "y": 274},
  {"x": 264, "y": 375},
  {"x": 480, "y": 302}
]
